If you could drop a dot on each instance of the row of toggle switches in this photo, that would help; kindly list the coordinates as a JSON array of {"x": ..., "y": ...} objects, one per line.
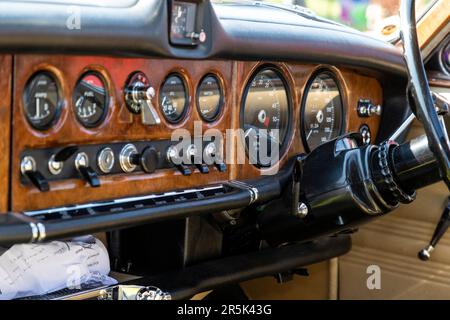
[{"x": 145, "y": 157}]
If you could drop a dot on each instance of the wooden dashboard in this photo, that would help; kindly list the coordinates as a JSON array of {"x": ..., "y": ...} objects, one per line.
[{"x": 120, "y": 125}]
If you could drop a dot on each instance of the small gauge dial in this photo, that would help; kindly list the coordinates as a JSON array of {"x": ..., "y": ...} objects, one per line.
[
  {"x": 173, "y": 98},
  {"x": 209, "y": 98},
  {"x": 90, "y": 100},
  {"x": 265, "y": 115},
  {"x": 41, "y": 101},
  {"x": 322, "y": 111}
]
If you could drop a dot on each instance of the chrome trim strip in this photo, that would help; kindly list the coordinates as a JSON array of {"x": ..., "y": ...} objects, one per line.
[
  {"x": 34, "y": 232},
  {"x": 117, "y": 201},
  {"x": 42, "y": 234},
  {"x": 252, "y": 190}
]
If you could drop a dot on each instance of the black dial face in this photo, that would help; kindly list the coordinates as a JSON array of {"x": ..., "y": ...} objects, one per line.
[
  {"x": 90, "y": 100},
  {"x": 209, "y": 98},
  {"x": 322, "y": 112},
  {"x": 173, "y": 98},
  {"x": 41, "y": 101},
  {"x": 265, "y": 116}
]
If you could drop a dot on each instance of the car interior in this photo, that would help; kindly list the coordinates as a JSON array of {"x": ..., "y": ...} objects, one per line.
[{"x": 222, "y": 150}]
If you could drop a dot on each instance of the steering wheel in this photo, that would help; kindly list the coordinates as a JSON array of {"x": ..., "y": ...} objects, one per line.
[{"x": 419, "y": 90}]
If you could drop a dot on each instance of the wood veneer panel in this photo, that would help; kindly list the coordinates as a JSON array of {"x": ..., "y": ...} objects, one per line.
[
  {"x": 5, "y": 126},
  {"x": 432, "y": 22},
  {"x": 354, "y": 86},
  {"x": 117, "y": 127},
  {"x": 438, "y": 79}
]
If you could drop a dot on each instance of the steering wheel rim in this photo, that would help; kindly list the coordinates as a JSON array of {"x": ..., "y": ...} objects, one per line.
[{"x": 425, "y": 110}]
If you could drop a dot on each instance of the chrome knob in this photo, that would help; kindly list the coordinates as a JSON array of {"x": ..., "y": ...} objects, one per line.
[
  {"x": 366, "y": 108},
  {"x": 195, "y": 158},
  {"x": 105, "y": 160},
  {"x": 88, "y": 174},
  {"x": 126, "y": 158},
  {"x": 173, "y": 157},
  {"x": 211, "y": 157},
  {"x": 28, "y": 168}
]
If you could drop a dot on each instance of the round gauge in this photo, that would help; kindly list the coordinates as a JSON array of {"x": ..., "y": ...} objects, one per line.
[
  {"x": 41, "y": 101},
  {"x": 209, "y": 97},
  {"x": 90, "y": 99},
  {"x": 265, "y": 115},
  {"x": 173, "y": 98},
  {"x": 322, "y": 111}
]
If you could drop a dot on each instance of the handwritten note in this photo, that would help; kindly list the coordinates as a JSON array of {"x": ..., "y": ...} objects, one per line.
[{"x": 37, "y": 269}]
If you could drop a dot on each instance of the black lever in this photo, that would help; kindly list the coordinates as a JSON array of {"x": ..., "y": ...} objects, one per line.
[
  {"x": 296, "y": 177},
  {"x": 90, "y": 176},
  {"x": 28, "y": 168},
  {"x": 297, "y": 206},
  {"x": 440, "y": 230},
  {"x": 192, "y": 154},
  {"x": 38, "y": 180},
  {"x": 184, "y": 169},
  {"x": 65, "y": 153},
  {"x": 82, "y": 165},
  {"x": 173, "y": 157},
  {"x": 222, "y": 167}
]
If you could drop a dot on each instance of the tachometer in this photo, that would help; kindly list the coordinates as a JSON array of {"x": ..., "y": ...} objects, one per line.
[
  {"x": 41, "y": 101},
  {"x": 265, "y": 116},
  {"x": 173, "y": 98},
  {"x": 90, "y": 99},
  {"x": 322, "y": 111}
]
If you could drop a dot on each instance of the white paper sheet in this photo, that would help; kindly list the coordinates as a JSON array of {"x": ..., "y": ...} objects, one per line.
[{"x": 36, "y": 269}]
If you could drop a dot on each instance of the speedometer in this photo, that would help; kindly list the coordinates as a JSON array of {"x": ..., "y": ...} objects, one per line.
[
  {"x": 322, "y": 111},
  {"x": 265, "y": 116}
]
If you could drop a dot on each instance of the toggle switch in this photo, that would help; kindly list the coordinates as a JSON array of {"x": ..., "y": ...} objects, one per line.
[
  {"x": 138, "y": 98},
  {"x": 211, "y": 153},
  {"x": 193, "y": 156},
  {"x": 88, "y": 174},
  {"x": 28, "y": 169},
  {"x": 148, "y": 159},
  {"x": 173, "y": 157},
  {"x": 56, "y": 161}
]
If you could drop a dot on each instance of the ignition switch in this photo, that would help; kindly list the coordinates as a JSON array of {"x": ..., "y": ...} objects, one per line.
[{"x": 138, "y": 95}]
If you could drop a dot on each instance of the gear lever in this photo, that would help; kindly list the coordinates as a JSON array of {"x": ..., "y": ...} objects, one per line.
[{"x": 440, "y": 230}]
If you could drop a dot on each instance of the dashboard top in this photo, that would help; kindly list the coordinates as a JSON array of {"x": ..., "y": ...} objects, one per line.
[{"x": 230, "y": 32}]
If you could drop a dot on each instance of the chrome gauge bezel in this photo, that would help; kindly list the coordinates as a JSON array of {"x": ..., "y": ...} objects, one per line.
[
  {"x": 107, "y": 99},
  {"x": 283, "y": 77},
  {"x": 59, "y": 103},
  {"x": 221, "y": 98},
  {"x": 311, "y": 79},
  {"x": 183, "y": 114}
]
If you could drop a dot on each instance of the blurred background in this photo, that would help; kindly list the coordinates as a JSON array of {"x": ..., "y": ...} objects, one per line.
[{"x": 365, "y": 15}]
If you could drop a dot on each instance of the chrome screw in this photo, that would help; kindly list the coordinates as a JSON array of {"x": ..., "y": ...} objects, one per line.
[{"x": 302, "y": 210}]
